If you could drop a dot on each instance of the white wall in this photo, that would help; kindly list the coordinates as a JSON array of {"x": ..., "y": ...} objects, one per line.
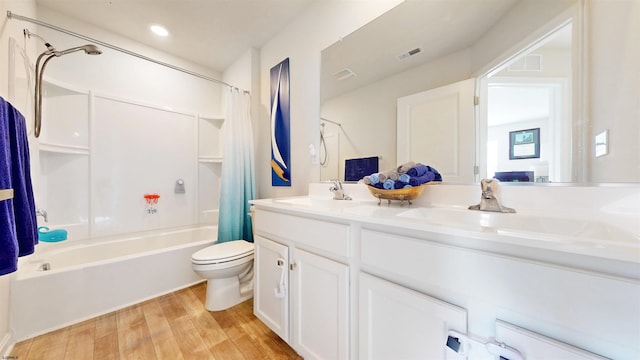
[
  {"x": 301, "y": 42},
  {"x": 614, "y": 88}
]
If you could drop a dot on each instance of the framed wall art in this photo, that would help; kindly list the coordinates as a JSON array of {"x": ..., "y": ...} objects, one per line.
[
  {"x": 280, "y": 125},
  {"x": 524, "y": 144}
]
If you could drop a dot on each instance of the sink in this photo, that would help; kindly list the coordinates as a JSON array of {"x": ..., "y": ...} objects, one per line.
[{"x": 521, "y": 225}]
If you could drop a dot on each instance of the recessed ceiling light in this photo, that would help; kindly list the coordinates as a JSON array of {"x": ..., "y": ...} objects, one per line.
[{"x": 159, "y": 30}]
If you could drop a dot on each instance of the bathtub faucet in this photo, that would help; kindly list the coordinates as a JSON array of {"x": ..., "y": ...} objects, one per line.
[
  {"x": 43, "y": 213},
  {"x": 338, "y": 192}
]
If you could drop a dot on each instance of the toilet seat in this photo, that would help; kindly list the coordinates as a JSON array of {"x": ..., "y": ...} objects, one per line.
[{"x": 223, "y": 252}]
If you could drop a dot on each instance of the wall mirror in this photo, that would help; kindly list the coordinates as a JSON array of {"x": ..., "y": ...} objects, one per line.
[{"x": 526, "y": 59}]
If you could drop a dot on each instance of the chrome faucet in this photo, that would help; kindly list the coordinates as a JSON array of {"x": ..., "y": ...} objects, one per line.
[
  {"x": 43, "y": 213},
  {"x": 488, "y": 200},
  {"x": 338, "y": 192}
]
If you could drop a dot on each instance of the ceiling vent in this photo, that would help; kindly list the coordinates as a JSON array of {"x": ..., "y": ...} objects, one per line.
[
  {"x": 344, "y": 74},
  {"x": 531, "y": 62},
  {"x": 408, "y": 54}
]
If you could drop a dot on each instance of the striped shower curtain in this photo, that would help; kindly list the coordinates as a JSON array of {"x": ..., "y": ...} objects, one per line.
[{"x": 238, "y": 184}]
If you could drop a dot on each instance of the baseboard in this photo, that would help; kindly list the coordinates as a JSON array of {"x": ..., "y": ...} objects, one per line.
[{"x": 6, "y": 345}]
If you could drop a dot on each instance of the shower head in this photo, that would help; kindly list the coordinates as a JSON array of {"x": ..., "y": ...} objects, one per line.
[
  {"x": 49, "y": 54},
  {"x": 88, "y": 49}
]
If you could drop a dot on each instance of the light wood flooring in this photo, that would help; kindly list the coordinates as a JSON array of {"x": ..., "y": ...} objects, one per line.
[{"x": 173, "y": 326}]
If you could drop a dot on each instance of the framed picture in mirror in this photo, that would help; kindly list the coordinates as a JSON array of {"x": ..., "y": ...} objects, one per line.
[{"x": 524, "y": 144}]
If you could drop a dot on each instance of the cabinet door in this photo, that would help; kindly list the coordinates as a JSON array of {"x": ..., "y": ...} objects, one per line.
[
  {"x": 271, "y": 287},
  {"x": 399, "y": 323},
  {"x": 320, "y": 300}
]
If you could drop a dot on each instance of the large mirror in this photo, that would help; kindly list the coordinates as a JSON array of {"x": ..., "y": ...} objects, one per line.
[{"x": 529, "y": 62}]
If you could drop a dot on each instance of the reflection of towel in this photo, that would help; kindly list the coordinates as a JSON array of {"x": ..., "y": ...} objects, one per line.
[{"x": 18, "y": 229}]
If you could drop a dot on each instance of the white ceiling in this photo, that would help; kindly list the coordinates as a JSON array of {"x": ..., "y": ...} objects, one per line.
[{"x": 212, "y": 33}]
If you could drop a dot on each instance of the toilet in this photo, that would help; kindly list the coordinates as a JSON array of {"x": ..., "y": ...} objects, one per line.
[{"x": 228, "y": 268}]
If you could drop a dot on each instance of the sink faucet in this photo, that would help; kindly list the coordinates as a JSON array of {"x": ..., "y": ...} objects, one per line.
[
  {"x": 488, "y": 200},
  {"x": 43, "y": 213},
  {"x": 338, "y": 192}
]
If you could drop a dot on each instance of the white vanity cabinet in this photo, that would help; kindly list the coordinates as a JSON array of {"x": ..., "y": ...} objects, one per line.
[
  {"x": 399, "y": 323},
  {"x": 319, "y": 307},
  {"x": 310, "y": 310},
  {"x": 365, "y": 282},
  {"x": 270, "y": 295}
]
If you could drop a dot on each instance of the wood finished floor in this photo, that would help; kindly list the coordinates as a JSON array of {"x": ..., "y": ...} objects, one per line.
[{"x": 173, "y": 326}]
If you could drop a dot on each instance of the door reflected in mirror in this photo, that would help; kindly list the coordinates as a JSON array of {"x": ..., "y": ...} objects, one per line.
[{"x": 531, "y": 91}]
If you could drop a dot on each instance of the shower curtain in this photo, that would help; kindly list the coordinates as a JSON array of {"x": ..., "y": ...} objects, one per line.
[{"x": 238, "y": 184}]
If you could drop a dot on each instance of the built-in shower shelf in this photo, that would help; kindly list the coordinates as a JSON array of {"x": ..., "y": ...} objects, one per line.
[
  {"x": 216, "y": 118},
  {"x": 63, "y": 149},
  {"x": 210, "y": 159},
  {"x": 6, "y": 194}
]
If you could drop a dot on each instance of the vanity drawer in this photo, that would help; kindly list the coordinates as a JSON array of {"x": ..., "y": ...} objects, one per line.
[
  {"x": 321, "y": 235},
  {"x": 392, "y": 254}
]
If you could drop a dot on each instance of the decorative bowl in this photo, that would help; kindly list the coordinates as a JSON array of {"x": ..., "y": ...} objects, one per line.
[{"x": 407, "y": 194}]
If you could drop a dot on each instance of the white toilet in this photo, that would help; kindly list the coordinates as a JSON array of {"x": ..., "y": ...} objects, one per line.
[{"x": 228, "y": 268}]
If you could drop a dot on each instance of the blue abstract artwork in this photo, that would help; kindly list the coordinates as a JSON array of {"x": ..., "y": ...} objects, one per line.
[{"x": 280, "y": 125}]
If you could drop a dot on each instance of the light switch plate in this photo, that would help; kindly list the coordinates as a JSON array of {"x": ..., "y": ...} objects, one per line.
[{"x": 602, "y": 143}]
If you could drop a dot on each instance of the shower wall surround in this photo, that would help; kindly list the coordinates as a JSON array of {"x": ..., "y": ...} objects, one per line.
[{"x": 99, "y": 154}]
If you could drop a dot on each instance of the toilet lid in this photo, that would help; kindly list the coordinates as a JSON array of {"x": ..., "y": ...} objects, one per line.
[{"x": 223, "y": 252}]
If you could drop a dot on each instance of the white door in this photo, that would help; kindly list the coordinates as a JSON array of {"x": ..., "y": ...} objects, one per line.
[
  {"x": 320, "y": 304},
  {"x": 437, "y": 128},
  {"x": 399, "y": 323},
  {"x": 271, "y": 287}
]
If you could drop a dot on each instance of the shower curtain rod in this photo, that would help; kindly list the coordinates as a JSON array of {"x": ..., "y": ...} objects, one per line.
[{"x": 11, "y": 15}]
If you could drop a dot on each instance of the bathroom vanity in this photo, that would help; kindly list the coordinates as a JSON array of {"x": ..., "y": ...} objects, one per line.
[{"x": 356, "y": 280}]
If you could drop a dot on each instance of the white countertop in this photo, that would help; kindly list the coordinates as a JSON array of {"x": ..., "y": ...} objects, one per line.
[{"x": 561, "y": 235}]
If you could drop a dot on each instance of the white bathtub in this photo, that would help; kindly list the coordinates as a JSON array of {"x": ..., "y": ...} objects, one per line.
[{"x": 92, "y": 277}]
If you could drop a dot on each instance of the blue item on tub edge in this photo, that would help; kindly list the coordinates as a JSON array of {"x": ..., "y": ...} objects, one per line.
[{"x": 51, "y": 236}]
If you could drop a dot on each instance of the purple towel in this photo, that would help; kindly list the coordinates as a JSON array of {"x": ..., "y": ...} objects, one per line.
[
  {"x": 419, "y": 180},
  {"x": 428, "y": 174},
  {"x": 18, "y": 226},
  {"x": 400, "y": 184},
  {"x": 418, "y": 170}
]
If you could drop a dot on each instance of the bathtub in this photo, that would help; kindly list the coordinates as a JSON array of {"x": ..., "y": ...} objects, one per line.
[{"x": 92, "y": 277}]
